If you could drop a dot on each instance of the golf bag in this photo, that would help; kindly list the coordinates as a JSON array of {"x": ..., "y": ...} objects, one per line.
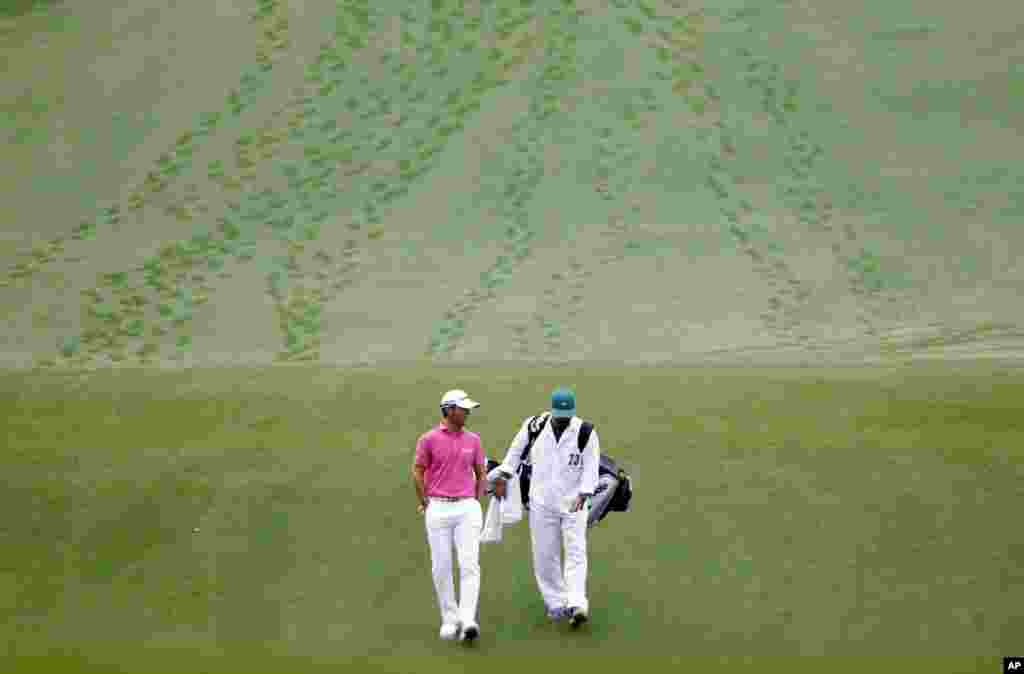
[{"x": 614, "y": 490}]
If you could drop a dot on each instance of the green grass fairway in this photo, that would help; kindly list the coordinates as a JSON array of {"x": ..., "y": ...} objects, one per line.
[{"x": 849, "y": 512}]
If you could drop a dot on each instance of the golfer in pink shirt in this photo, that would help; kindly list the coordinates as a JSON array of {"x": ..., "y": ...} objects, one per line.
[{"x": 450, "y": 477}]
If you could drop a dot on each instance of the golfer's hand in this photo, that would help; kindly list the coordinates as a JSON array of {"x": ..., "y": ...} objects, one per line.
[{"x": 499, "y": 488}]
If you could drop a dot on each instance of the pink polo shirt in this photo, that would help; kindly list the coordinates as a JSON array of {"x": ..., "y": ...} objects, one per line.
[{"x": 449, "y": 458}]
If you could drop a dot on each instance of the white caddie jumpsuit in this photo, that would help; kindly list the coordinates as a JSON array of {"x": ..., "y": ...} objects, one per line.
[{"x": 560, "y": 473}]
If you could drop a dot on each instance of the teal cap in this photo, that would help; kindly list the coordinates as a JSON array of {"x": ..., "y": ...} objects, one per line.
[{"x": 563, "y": 403}]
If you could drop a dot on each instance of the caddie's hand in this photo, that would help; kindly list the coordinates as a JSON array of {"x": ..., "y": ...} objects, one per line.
[
  {"x": 499, "y": 488},
  {"x": 421, "y": 508},
  {"x": 581, "y": 501}
]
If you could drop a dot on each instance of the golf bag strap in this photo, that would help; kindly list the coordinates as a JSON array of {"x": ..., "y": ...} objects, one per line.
[
  {"x": 584, "y": 437},
  {"x": 534, "y": 430}
]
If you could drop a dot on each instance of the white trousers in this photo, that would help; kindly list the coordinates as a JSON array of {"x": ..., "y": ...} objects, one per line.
[
  {"x": 460, "y": 523},
  {"x": 549, "y": 529}
]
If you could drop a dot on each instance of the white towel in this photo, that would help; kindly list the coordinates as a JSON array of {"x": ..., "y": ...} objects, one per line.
[
  {"x": 502, "y": 512},
  {"x": 491, "y": 532}
]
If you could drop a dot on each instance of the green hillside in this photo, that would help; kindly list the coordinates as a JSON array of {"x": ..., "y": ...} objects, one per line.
[{"x": 364, "y": 182}]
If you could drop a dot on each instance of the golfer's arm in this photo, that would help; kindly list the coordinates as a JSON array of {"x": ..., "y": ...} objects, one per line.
[
  {"x": 481, "y": 481},
  {"x": 418, "y": 473}
]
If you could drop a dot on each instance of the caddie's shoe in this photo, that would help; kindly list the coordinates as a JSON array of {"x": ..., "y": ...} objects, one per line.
[
  {"x": 557, "y": 615},
  {"x": 449, "y": 631},
  {"x": 470, "y": 632},
  {"x": 577, "y": 616}
]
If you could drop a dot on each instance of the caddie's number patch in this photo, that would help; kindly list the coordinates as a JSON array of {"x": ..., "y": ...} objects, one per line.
[{"x": 574, "y": 459}]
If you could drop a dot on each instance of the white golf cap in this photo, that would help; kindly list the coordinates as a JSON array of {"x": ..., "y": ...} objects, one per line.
[{"x": 458, "y": 398}]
